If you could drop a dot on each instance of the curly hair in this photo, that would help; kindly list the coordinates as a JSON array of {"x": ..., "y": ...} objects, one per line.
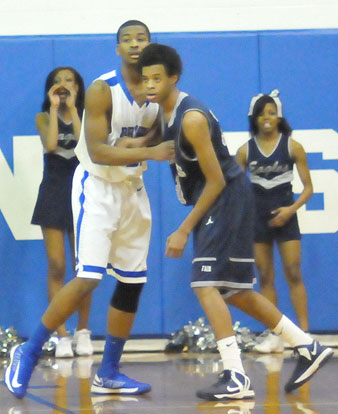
[{"x": 156, "y": 54}]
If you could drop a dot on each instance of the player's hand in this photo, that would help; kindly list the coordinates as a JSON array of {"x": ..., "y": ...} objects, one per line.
[
  {"x": 164, "y": 151},
  {"x": 176, "y": 243},
  {"x": 54, "y": 98},
  {"x": 125, "y": 142},
  {"x": 282, "y": 216},
  {"x": 71, "y": 98}
]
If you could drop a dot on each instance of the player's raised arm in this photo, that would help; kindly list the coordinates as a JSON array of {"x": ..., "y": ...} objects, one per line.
[{"x": 98, "y": 107}]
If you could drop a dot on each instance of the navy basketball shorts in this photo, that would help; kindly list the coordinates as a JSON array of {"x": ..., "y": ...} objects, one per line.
[
  {"x": 223, "y": 240},
  {"x": 112, "y": 223},
  {"x": 264, "y": 233}
]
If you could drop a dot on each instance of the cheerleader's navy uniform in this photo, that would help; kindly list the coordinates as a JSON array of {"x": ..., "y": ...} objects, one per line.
[
  {"x": 53, "y": 207},
  {"x": 271, "y": 176}
]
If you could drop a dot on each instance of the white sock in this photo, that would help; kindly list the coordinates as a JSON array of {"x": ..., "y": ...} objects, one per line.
[
  {"x": 230, "y": 353},
  {"x": 291, "y": 333}
]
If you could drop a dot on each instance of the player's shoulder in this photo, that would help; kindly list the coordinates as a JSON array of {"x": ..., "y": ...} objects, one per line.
[
  {"x": 98, "y": 96},
  {"x": 242, "y": 152},
  {"x": 192, "y": 108},
  {"x": 296, "y": 148},
  {"x": 189, "y": 102},
  {"x": 112, "y": 75},
  {"x": 193, "y": 117},
  {"x": 110, "y": 78}
]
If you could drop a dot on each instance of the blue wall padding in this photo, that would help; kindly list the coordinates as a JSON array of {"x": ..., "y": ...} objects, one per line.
[{"x": 222, "y": 69}]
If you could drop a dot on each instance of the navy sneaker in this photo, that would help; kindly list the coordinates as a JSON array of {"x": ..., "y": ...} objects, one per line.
[
  {"x": 20, "y": 370},
  {"x": 118, "y": 383},
  {"x": 231, "y": 385},
  {"x": 310, "y": 358}
]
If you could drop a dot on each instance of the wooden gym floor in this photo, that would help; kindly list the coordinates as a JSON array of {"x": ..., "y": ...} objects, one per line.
[{"x": 63, "y": 386}]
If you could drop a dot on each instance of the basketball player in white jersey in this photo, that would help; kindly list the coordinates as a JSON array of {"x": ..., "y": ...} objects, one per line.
[{"x": 111, "y": 215}]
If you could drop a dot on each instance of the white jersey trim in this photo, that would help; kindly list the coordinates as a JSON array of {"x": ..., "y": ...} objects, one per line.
[
  {"x": 204, "y": 259},
  {"x": 287, "y": 177}
]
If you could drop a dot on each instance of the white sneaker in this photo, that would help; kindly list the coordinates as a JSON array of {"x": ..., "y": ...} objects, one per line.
[
  {"x": 271, "y": 343},
  {"x": 64, "y": 348},
  {"x": 82, "y": 342}
]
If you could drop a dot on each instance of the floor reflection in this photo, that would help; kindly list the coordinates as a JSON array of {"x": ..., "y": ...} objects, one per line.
[{"x": 63, "y": 386}]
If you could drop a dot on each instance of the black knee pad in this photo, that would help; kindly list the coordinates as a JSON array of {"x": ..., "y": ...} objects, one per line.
[{"x": 126, "y": 296}]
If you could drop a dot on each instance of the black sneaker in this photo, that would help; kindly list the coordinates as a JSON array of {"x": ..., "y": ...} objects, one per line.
[
  {"x": 310, "y": 358},
  {"x": 231, "y": 385}
]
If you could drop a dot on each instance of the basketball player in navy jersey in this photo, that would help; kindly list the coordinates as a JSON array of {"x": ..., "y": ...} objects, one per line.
[
  {"x": 222, "y": 225},
  {"x": 270, "y": 155},
  {"x": 111, "y": 212}
]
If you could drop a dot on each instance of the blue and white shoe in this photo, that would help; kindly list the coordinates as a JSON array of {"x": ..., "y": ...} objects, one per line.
[
  {"x": 20, "y": 370},
  {"x": 231, "y": 385},
  {"x": 310, "y": 359},
  {"x": 118, "y": 383}
]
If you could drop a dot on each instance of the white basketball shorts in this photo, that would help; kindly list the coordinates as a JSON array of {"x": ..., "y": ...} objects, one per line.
[{"x": 112, "y": 224}]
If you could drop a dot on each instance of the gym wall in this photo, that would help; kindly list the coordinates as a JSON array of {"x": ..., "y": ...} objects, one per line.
[{"x": 224, "y": 70}]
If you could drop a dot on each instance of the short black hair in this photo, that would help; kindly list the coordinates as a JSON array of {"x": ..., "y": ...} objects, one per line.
[
  {"x": 156, "y": 54},
  {"x": 131, "y": 23},
  {"x": 258, "y": 108},
  {"x": 80, "y": 96}
]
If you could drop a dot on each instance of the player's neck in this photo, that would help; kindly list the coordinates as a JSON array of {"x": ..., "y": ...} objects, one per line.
[
  {"x": 169, "y": 103},
  {"x": 130, "y": 74}
]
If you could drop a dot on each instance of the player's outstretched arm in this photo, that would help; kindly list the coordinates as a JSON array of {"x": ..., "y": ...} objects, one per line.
[
  {"x": 196, "y": 130},
  {"x": 98, "y": 110}
]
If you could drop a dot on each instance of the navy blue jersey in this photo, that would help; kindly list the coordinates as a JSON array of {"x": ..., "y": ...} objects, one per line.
[
  {"x": 270, "y": 172},
  {"x": 188, "y": 175}
]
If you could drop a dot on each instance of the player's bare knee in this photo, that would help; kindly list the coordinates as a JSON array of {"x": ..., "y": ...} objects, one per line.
[
  {"x": 86, "y": 285},
  {"x": 265, "y": 269},
  {"x": 293, "y": 274},
  {"x": 239, "y": 298},
  {"x": 265, "y": 279},
  {"x": 56, "y": 269}
]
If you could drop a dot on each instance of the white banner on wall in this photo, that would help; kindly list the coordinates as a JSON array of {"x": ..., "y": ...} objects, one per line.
[
  {"x": 45, "y": 17},
  {"x": 19, "y": 188}
]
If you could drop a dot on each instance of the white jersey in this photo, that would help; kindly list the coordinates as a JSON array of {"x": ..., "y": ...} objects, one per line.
[{"x": 128, "y": 119}]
